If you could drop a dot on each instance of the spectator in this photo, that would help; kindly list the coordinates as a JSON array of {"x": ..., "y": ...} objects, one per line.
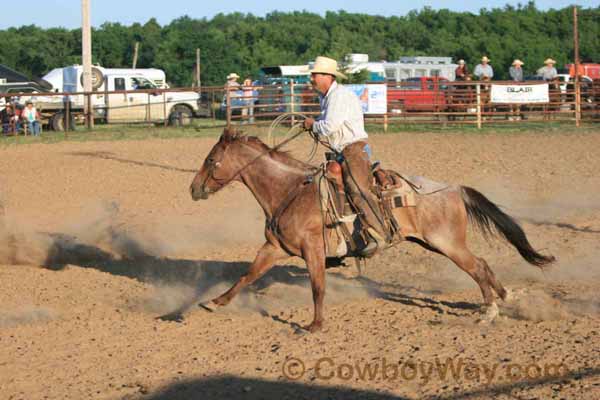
[
  {"x": 32, "y": 118},
  {"x": 232, "y": 82},
  {"x": 516, "y": 72},
  {"x": 461, "y": 72},
  {"x": 548, "y": 72},
  {"x": 484, "y": 71},
  {"x": 249, "y": 100},
  {"x": 10, "y": 120}
]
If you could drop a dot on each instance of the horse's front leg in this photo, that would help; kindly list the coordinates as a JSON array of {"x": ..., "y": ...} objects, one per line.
[
  {"x": 314, "y": 255},
  {"x": 264, "y": 261}
]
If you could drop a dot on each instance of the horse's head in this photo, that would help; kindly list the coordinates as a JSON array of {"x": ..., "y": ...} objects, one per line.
[{"x": 218, "y": 168}]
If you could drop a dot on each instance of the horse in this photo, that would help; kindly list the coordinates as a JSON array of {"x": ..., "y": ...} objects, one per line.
[{"x": 279, "y": 183}]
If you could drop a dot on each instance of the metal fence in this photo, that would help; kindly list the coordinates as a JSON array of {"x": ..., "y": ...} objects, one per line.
[{"x": 407, "y": 103}]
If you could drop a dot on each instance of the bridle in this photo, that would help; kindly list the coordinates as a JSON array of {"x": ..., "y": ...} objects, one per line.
[{"x": 214, "y": 165}]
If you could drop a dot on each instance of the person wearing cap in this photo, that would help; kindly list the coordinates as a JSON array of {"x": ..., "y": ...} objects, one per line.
[
  {"x": 461, "y": 72},
  {"x": 548, "y": 72},
  {"x": 484, "y": 71},
  {"x": 515, "y": 71},
  {"x": 32, "y": 118},
  {"x": 341, "y": 122}
]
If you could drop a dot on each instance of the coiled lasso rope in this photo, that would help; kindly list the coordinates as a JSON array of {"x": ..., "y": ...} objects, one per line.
[{"x": 296, "y": 122}]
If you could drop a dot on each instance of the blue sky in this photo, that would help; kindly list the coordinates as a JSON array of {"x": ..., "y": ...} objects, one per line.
[{"x": 66, "y": 13}]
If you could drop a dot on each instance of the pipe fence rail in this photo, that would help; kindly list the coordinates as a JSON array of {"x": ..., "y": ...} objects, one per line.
[{"x": 406, "y": 103}]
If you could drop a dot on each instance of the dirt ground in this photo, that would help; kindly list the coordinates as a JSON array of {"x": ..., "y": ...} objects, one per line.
[{"x": 100, "y": 238}]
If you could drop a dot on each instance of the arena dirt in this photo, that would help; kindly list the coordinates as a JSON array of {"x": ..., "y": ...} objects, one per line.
[{"x": 100, "y": 238}]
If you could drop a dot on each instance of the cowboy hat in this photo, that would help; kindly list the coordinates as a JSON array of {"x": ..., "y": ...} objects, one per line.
[
  {"x": 484, "y": 58},
  {"x": 233, "y": 75},
  {"x": 325, "y": 65},
  {"x": 549, "y": 61},
  {"x": 461, "y": 62},
  {"x": 517, "y": 61}
]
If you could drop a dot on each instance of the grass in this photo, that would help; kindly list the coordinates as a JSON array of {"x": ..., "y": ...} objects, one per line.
[{"x": 212, "y": 128}]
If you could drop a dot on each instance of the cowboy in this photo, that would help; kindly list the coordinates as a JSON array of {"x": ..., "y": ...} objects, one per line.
[
  {"x": 548, "y": 72},
  {"x": 516, "y": 72},
  {"x": 461, "y": 72},
  {"x": 484, "y": 71},
  {"x": 341, "y": 122},
  {"x": 232, "y": 82}
]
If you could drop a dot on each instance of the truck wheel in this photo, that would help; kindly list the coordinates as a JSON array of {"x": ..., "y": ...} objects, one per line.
[
  {"x": 57, "y": 122},
  {"x": 181, "y": 116}
]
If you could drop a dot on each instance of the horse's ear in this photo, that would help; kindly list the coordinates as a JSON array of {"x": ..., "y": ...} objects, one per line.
[{"x": 229, "y": 134}]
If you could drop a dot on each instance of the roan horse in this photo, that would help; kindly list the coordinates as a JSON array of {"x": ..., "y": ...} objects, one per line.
[{"x": 272, "y": 175}]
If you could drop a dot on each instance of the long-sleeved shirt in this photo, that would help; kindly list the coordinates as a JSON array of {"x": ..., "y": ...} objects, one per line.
[
  {"x": 548, "y": 73},
  {"x": 482, "y": 71},
  {"x": 341, "y": 119},
  {"x": 516, "y": 74}
]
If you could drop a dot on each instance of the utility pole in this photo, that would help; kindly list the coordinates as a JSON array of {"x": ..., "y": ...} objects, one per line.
[
  {"x": 576, "y": 61},
  {"x": 86, "y": 55},
  {"x": 198, "y": 67},
  {"x": 135, "y": 54}
]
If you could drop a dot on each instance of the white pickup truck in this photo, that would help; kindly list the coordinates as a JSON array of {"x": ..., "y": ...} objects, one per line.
[{"x": 147, "y": 100}]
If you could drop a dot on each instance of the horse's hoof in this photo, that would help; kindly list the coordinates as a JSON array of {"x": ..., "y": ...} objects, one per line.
[
  {"x": 491, "y": 314},
  {"x": 209, "y": 306},
  {"x": 172, "y": 317},
  {"x": 314, "y": 327}
]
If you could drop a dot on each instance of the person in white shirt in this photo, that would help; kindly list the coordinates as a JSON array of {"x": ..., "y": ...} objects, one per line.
[
  {"x": 341, "y": 122},
  {"x": 548, "y": 72},
  {"x": 484, "y": 71},
  {"x": 31, "y": 117}
]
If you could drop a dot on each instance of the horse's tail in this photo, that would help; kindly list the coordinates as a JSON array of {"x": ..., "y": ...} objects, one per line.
[{"x": 490, "y": 220}]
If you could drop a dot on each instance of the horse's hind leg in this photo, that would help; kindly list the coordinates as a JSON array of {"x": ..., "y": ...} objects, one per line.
[
  {"x": 265, "y": 258},
  {"x": 315, "y": 262},
  {"x": 477, "y": 269}
]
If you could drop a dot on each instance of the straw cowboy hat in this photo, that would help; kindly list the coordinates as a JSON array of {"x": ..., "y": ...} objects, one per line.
[
  {"x": 233, "y": 75},
  {"x": 519, "y": 62},
  {"x": 549, "y": 61},
  {"x": 485, "y": 59},
  {"x": 325, "y": 65},
  {"x": 461, "y": 62}
]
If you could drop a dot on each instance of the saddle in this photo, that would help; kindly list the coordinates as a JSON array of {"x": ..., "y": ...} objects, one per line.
[{"x": 397, "y": 195}]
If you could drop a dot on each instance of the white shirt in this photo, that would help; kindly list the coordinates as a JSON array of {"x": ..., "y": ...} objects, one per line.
[
  {"x": 484, "y": 70},
  {"x": 341, "y": 119}
]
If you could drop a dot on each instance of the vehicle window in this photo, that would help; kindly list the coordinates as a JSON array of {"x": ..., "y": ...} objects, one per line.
[
  {"x": 119, "y": 83},
  {"x": 138, "y": 83},
  {"x": 412, "y": 84},
  {"x": 420, "y": 72},
  {"x": 435, "y": 72},
  {"x": 21, "y": 90}
]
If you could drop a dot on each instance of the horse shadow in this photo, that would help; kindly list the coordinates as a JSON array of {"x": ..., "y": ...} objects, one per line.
[{"x": 205, "y": 275}]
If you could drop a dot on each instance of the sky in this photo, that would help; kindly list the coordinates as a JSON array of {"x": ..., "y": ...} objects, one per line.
[{"x": 67, "y": 14}]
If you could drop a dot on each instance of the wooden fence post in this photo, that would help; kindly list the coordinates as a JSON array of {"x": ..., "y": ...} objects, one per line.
[
  {"x": 292, "y": 102},
  {"x": 478, "y": 91},
  {"x": 228, "y": 107}
]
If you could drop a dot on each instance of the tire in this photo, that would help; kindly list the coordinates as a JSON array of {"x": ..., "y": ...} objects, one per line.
[
  {"x": 57, "y": 122},
  {"x": 181, "y": 116}
]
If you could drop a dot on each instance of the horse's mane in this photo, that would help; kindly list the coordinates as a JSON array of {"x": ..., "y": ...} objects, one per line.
[{"x": 278, "y": 155}]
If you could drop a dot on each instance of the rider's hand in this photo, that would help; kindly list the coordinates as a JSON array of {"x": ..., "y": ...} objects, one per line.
[{"x": 308, "y": 123}]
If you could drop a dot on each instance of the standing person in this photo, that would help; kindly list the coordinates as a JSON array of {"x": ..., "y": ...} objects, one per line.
[
  {"x": 516, "y": 74},
  {"x": 342, "y": 123},
  {"x": 461, "y": 72},
  {"x": 515, "y": 71},
  {"x": 548, "y": 72},
  {"x": 248, "y": 91},
  {"x": 32, "y": 118},
  {"x": 484, "y": 71},
  {"x": 232, "y": 82}
]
